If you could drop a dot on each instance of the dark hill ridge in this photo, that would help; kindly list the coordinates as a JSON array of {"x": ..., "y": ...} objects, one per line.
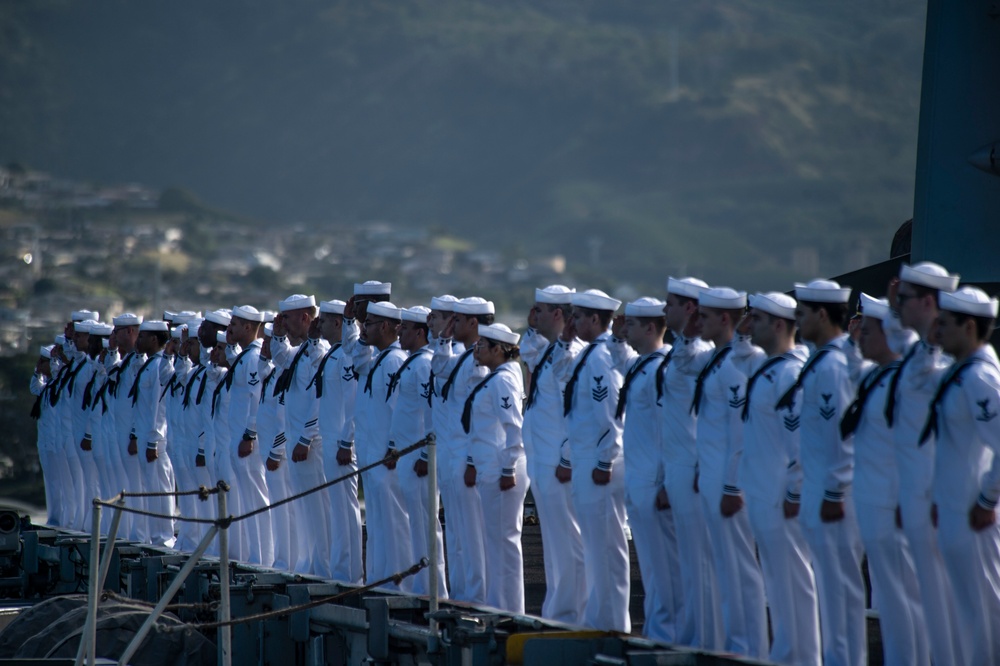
[{"x": 739, "y": 140}]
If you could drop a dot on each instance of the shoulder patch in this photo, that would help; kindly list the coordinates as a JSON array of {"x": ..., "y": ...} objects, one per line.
[
  {"x": 736, "y": 401},
  {"x": 599, "y": 392},
  {"x": 505, "y": 402},
  {"x": 985, "y": 414},
  {"x": 826, "y": 410},
  {"x": 791, "y": 423}
]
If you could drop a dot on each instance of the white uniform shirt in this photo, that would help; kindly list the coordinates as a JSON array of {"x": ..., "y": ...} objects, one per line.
[
  {"x": 544, "y": 429},
  {"x": 876, "y": 478},
  {"x": 641, "y": 434},
  {"x": 495, "y": 443},
  {"x": 150, "y": 425},
  {"x": 411, "y": 419},
  {"x": 301, "y": 405},
  {"x": 678, "y": 423},
  {"x": 244, "y": 393}
]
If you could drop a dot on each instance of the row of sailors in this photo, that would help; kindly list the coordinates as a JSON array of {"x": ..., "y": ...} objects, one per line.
[{"x": 750, "y": 467}]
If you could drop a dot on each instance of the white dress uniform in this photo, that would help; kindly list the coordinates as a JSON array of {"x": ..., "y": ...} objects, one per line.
[
  {"x": 178, "y": 433},
  {"x": 906, "y": 400},
  {"x": 132, "y": 479},
  {"x": 218, "y": 411},
  {"x": 495, "y": 449},
  {"x": 769, "y": 474},
  {"x": 966, "y": 472},
  {"x": 201, "y": 399},
  {"x": 828, "y": 470},
  {"x": 546, "y": 446},
  {"x": 95, "y": 432},
  {"x": 271, "y": 435},
  {"x": 244, "y": 382},
  {"x": 718, "y": 405},
  {"x": 336, "y": 386},
  {"x": 68, "y": 399},
  {"x": 701, "y": 625},
  {"x": 88, "y": 474},
  {"x": 191, "y": 420},
  {"x": 387, "y": 549},
  {"x": 53, "y": 465},
  {"x": 150, "y": 430},
  {"x": 411, "y": 421},
  {"x": 592, "y": 382},
  {"x": 302, "y": 427},
  {"x": 653, "y": 531},
  {"x": 895, "y": 590},
  {"x": 454, "y": 377}
]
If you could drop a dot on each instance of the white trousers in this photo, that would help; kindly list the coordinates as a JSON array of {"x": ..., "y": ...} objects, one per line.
[
  {"x": 502, "y": 518},
  {"x": 415, "y": 497},
  {"x": 186, "y": 504},
  {"x": 972, "y": 560},
  {"x": 387, "y": 548},
  {"x": 281, "y": 517},
  {"x": 466, "y": 518},
  {"x": 452, "y": 543},
  {"x": 562, "y": 546},
  {"x": 158, "y": 477},
  {"x": 311, "y": 513},
  {"x": 52, "y": 496},
  {"x": 655, "y": 541},
  {"x": 701, "y": 624},
  {"x": 836, "y": 558},
  {"x": 936, "y": 595},
  {"x": 258, "y": 539},
  {"x": 741, "y": 585},
  {"x": 74, "y": 484},
  {"x": 601, "y": 512},
  {"x": 346, "y": 560},
  {"x": 789, "y": 584},
  {"x": 895, "y": 588}
]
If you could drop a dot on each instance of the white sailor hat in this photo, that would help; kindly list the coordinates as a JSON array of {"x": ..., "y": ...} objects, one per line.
[
  {"x": 269, "y": 316},
  {"x": 822, "y": 291},
  {"x": 168, "y": 315},
  {"x": 417, "y": 313},
  {"x": 555, "y": 294},
  {"x": 876, "y": 308},
  {"x": 61, "y": 340},
  {"x": 269, "y": 329},
  {"x": 46, "y": 351},
  {"x": 499, "y": 333},
  {"x": 156, "y": 326},
  {"x": 444, "y": 303},
  {"x": 385, "y": 309},
  {"x": 178, "y": 331},
  {"x": 249, "y": 313},
  {"x": 220, "y": 338},
  {"x": 127, "y": 319},
  {"x": 296, "y": 302},
  {"x": 687, "y": 287},
  {"x": 84, "y": 326},
  {"x": 218, "y": 317},
  {"x": 644, "y": 307},
  {"x": 194, "y": 325},
  {"x": 724, "y": 298},
  {"x": 774, "y": 303},
  {"x": 373, "y": 288},
  {"x": 103, "y": 330},
  {"x": 929, "y": 274},
  {"x": 595, "y": 299},
  {"x": 84, "y": 315},
  {"x": 332, "y": 307},
  {"x": 186, "y": 317},
  {"x": 473, "y": 305},
  {"x": 969, "y": 300}
]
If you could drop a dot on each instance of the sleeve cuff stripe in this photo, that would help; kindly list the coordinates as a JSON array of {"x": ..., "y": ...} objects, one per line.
[{"x": 987, "y": 503}]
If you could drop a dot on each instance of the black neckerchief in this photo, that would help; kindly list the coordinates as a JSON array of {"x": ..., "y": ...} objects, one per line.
[
  {"x": 396, "y": 376},
  {"x": 699, "y": 384},
  {"x": 571, "y": 384},
  {"x": 285, "y": 378},
  {"x": 134, "y": 391},
  {"x": 932, "y": 419},
  {"x": 467, "y": 409},
  {"x": 371, "y": 375},
  {"x": 627, "y": 384},
  {"x": 788, "y": 399},
  {"x": 890, "y": 398},
  {"x": 533, "y": 389},
  {"x": 767, "y": 365},
  {"x": 317, "y": 379},
  {"x": 852, "y": 417},
  {"x": 446, "y": 389}
]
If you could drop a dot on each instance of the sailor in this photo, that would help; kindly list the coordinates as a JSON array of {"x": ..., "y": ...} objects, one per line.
[
  {"x": 495, "y": 463},
  {"x": 895, "y": 591},
  {"x": 125, "y": 364},
  {"x": 914, "y": 300},
  {"x": 966, "y": 488},
  {"x": 95, "y": 414},
  {"x": 411, "y": 422},
  {"x": 826, "y": 513},
  {"x": 456, "y": 377},
  {"x": 185, "y": 438},
  {"x": 150, "y": 430},
  {"x": 770, "y": 475},
  {"x": 442, "y": 310},
  {"x": 547, "y": 447},
  {"x": 271, "y": 434},
  {"x": 243, "y": 384},
  {"x": 296, "y": 350},
  {"x": 702, "y": 618},
  {"x": 79, "y": 393},
  {"x": 70, "y": 390},
  {"x": 377, "y": 357},
  {"x": 336, "y": 385},
  {"x": 60, "y": 367},
  {"x": 719, "y": 396},
  {"x": 643, "y": 327},
  {"x": 48, "y": 457},
  {"x": 597, "y": 477}
]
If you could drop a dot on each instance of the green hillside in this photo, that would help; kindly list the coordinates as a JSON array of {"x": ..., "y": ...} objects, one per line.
[{"x": 742, "y": 141}]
